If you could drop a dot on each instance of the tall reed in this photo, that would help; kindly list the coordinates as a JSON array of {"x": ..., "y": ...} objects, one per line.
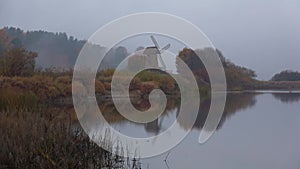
[{"x": 51, "y": 138}]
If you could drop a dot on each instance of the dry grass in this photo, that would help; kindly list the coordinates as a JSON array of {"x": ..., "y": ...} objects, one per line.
[
  {"x": 48, "y": 139},
  {"x": 43, "y": 86},
  {"x": 13, "y": 100}
]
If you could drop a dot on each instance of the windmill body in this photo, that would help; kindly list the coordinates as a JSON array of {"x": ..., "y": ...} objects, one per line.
[
  {"x": 153, "y": 54},
  {"x": 151, "y": 57}
]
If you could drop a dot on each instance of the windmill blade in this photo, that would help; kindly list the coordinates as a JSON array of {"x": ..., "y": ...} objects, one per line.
[
  {"x": 164, "y": 67},
  {"x": 155, "y": 42},
  {"x": 159, "y": 53},
  {"x": 165, "y": 48}
]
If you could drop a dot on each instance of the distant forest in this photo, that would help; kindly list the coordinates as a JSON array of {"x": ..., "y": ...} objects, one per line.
[{"x": 58, "y": 49}]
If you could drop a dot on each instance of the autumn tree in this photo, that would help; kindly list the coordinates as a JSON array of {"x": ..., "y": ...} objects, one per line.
[
  {"x": 5, "y": 42},
  {"x": 237, "y": 77},
  {"x": 17, "y": 62},
  {"x": 191, "y": 59}
]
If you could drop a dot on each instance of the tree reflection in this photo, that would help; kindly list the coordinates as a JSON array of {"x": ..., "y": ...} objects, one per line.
[
  {"x": 235, "y": 102},
  {"x": 287, "y": 97}
]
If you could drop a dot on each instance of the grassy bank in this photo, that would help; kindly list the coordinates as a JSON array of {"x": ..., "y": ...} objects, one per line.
[{"x": 46, "y": 86}]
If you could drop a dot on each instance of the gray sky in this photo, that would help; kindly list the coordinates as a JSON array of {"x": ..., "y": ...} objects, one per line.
[{"x": 260, "y": 34}]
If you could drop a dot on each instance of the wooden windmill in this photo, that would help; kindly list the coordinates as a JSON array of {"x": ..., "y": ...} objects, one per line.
[{"x": 153, "y": 55}]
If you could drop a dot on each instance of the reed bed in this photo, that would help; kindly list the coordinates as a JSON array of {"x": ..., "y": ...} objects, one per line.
[{"x": 51, "y": 138}]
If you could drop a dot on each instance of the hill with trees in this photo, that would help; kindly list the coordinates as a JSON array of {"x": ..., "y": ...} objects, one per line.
[
  {"x": 287, "y": 75},
  {"x": 58, "y": 49}
]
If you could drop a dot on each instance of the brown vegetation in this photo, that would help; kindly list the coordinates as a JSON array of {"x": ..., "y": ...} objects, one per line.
[
  {"x": 51, "y": 139},
  {"x": 43, "y": 86}
]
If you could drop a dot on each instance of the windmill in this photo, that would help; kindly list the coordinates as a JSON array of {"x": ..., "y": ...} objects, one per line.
[{"x": 154, "y": 52}]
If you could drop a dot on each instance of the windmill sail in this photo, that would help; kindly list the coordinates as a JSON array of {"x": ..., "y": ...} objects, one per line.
[{"x": 159, "y": 51}]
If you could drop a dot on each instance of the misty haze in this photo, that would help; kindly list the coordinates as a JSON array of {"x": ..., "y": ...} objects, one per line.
[{"x": 51, "y": 93}]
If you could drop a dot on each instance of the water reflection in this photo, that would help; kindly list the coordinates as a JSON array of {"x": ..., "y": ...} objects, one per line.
[
  {"x": 239, "y": 141},
  {"x": 155, "y": 127},
  {"x": 287, "y": 97},
  {"x": 235, "y": 103}
]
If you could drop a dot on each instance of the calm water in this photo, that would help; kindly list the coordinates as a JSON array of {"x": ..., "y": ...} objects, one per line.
[{"x": 257, "y": 130}]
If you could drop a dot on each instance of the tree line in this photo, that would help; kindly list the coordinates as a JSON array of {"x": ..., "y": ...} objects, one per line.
[{"x": 23, "y": 53}]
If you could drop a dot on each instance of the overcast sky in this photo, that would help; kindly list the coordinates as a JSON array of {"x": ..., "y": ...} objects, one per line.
[{"x": 260, "y": 34}]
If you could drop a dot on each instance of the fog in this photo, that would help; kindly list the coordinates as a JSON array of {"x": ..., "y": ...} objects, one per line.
[{"x": 261, "y": 35}]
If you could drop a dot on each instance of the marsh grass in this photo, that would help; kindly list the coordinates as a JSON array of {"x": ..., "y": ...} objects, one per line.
[
  {"x": 48, "y": 139},
  {"x": 11, "y": 100}
]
